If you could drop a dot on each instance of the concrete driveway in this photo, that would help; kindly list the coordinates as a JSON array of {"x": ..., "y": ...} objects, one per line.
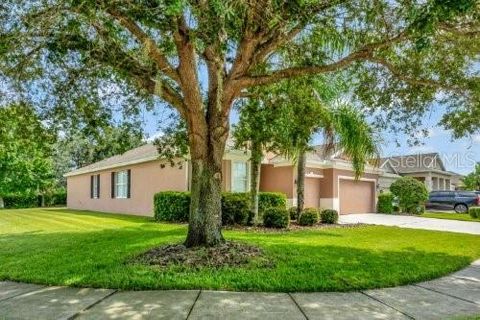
[{"x": 412, "y": 222}]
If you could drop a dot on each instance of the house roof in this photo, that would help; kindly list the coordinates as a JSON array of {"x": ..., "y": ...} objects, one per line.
[
  {"x": 319, "y": 153},
  {"x": 413, "y": 163},
  {"x": 145, "y": 153}
]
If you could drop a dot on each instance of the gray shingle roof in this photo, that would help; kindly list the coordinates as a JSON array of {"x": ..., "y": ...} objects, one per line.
[
  {"x": 147, "y": 152},
  {"x": 414, "y": 163}
]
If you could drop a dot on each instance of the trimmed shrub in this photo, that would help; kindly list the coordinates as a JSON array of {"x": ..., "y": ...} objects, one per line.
[
  {"x": 329, "y": 216},
  {"x": 474, "y": 213},
  {"x": 385, "y": 203},
  {"x": 293, "y": 213},
  {"x": 19, "y": 201},
  {"x": 235, "y": 208},
  {"x": 411, "y": 194},
  {"x": 270, "y": 199},
  {"x": 172, "y": 206},
  {"x": 308, "y": 217},
  {"x": 276, "y": 217}
]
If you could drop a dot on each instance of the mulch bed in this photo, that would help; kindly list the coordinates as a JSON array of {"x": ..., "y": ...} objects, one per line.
[
  {"x": 229, "y": 254},
  {"x": 294, "y": 226}
]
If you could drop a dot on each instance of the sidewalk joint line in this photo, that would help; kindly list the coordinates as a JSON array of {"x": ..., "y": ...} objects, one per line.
[
  {"x": 92, "y": 305},
  {"x": 22, "y": 293},
  {"x": 193, "y": 305},
  {"x": 445, "y": 294},
  {"x": 298, "y": 306},
  {"x": 386, "y": 304}
]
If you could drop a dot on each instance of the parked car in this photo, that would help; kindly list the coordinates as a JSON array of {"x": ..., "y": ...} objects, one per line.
[{"x": 459, "y": 201}]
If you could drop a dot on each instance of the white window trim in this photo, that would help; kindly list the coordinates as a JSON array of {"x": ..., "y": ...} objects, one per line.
[
  {"x": 124, "y": 184},
  {"x": 232, "y": 176}
]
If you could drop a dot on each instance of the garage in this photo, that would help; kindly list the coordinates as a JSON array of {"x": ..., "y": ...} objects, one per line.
[
  {"x": 356, "y": 196},
  {"x": 312, "y": 192}
]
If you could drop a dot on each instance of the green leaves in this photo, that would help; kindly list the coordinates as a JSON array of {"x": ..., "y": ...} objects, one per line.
[
  {"x": 472, "y": 180},
  {"x": 26, "y": 166}
]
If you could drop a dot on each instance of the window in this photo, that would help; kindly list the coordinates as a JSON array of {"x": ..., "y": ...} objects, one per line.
[
  {"x": 121, "y": 184},
  {"x": 95, "y": 186},
  {"x": 239, "y": 177}
]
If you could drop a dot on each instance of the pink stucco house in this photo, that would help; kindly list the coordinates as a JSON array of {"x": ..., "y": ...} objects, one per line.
[{"x": 127, "y": 183}]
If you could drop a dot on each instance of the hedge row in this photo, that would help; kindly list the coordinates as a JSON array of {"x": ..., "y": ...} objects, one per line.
[
  {"x": 18, "y": 201},
  {"x": 474, "y": 213},
  {"x": 174, "y": 206}
]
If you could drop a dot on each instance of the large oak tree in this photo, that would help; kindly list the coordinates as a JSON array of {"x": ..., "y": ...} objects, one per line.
[{"x": 404, "y": 54}]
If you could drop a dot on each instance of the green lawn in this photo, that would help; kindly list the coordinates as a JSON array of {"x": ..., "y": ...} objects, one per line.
[
  {"x": 449, "y": 216},
  {"x": 63, "y": 247}
]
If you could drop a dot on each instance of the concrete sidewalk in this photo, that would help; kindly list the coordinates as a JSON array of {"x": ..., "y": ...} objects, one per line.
[
  {"x": 457, "y": 295},
  {"x": 412, "y": 222}
]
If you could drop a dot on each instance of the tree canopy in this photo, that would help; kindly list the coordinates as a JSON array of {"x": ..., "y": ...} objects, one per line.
[
  {"x": 472, "y": 180},
  {"x": 402, "y": 55},
  {"x": 26, "y": 165}
]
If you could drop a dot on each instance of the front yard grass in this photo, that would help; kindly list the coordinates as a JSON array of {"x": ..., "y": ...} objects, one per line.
[
  {"x": 449, "y": 216},
  {"x": 64, "y": 247}
]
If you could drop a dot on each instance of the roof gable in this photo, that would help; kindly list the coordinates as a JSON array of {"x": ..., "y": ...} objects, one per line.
[{"x": 415, "y": 163}]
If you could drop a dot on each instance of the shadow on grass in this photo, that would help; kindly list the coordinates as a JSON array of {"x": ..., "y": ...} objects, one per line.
[
  {"x": 117, "y": 216},
  {"x": 98, "y": 259}
]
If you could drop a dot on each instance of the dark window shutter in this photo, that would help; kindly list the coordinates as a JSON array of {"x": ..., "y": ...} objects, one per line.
[
  {"x": 91, "y": 187},
  {"x": 98, "y": 186},
  {"x": 129, "y": 182},
  {"x": 113, "y": 185}
]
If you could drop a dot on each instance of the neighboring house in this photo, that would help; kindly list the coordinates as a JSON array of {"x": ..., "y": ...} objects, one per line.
[
  {"x": 126, "y": 183},
  {"x": 428, "y": 168},
  {"x": 329, "y": 182}
]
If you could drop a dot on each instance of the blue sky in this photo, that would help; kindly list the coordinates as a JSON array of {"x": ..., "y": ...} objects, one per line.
[{"x": 458, "y": 155}]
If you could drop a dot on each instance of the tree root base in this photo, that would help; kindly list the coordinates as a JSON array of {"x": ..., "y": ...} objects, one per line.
[{"x": 228, "y": 254}]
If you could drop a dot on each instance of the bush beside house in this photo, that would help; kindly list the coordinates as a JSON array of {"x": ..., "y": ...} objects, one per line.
[
  {"x": 270, "y": 199},
  {"x": 385, "y": 203},
  {"x": 235, "y": 209},
  {"x": 309, "y": 217},
  {"x": 276, "y": 217},
  {"x": 174, "y": 206},
  {"x": 293, "y": 213},
  {"x": 411, "y": 193},
  {"x": 329, "y": 216},
  {"x": 171, "y": 206}
]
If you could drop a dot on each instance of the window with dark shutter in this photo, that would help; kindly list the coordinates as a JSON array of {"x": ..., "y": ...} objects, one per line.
[
  {"x": 91, "y": 187},
  {"x": 113, "y": 185},
  {"x": 129, "y": 183},
  {"x": 98, "y": 186}
]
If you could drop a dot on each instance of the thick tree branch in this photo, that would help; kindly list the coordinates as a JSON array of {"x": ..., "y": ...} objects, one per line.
[
  {"x": 149, "y": 44},
  {"x": 362, "y": 54}
]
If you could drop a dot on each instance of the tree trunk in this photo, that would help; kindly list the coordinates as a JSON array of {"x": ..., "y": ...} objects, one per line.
[
  {"x": 207, "y": 146},
  {"x": 256, "y": 160},
  {"x": 302, "y": 159},
  {"x": 205, "y": 220},
  {"x": 2, "y": 204}
]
